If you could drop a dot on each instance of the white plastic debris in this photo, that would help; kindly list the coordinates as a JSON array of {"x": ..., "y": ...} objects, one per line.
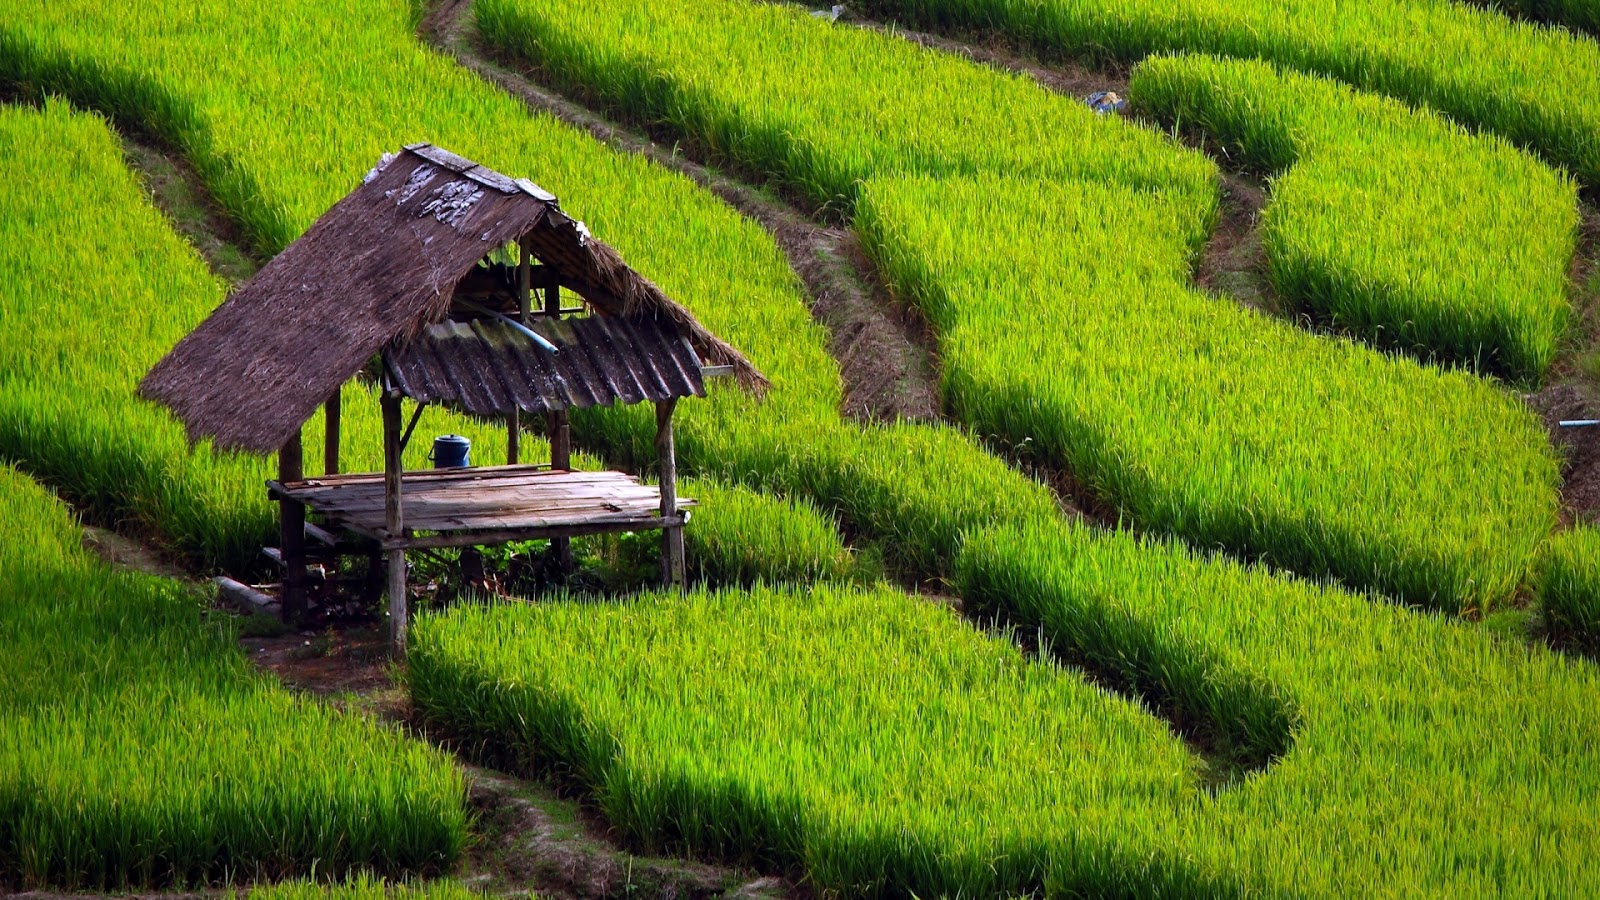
[
  {"x": 383, "y": 163},
  {"x": 832, "y": 15}
]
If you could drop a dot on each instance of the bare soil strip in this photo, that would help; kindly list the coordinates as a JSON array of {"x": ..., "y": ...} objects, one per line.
[
  {"x": 177, "y": 190},
  {"x": 884, "y": 349},
  {"x": 1572, "y": 389}
]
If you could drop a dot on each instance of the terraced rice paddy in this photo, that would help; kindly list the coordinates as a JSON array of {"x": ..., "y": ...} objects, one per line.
[
  {"x": 1188, "y": 716},
  {"x": 1536, "y": 86},
  {"x": 137, "y": 746},
  {"x": 1395, "y": 226},
  {"x": 1055, "y": 365}
]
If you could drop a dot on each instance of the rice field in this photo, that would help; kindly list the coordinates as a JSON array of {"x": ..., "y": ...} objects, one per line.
[
  {"x": 1171, "y": 406},
  {"x": 1568, "y": 588},
  {"x": 138, "y": 747},
  {"x": 1392, "y": 225},
  {"x": 67, "y": 410},
  {"x": 873, "y": 744},
  {"x": 832, "y": 728},
  {"x": 1536, "y": 86},
  {"x": 891, "y": 484},
  {"x": 1202, "y": 419}
]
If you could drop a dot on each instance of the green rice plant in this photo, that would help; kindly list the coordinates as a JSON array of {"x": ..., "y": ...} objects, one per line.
[
  {"x": 869, "y": 742},
  {"x": 1538, "y": 87},
  {"x": 1428, "y": 755},
  {"x": 362, "y": 887},
  {"x": 872, "y": 745},
  {"x": 740, "y": 536},
  {"x": 910, "y": 489},
  {"x": 773, "y": 91},
  {"x": 1203, "y": 419},
  {"x": 138, "y": 747},
  {"x": 1088, "y": 320},
  {"x": 1568, "y": 586},
  {"x": 1391, "y": 224}
]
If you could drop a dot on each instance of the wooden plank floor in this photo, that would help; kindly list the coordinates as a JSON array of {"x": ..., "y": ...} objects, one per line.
[{"x": 479, "y": 499}]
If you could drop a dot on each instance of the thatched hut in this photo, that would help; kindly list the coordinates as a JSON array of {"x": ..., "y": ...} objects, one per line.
[{"x": 412, "y": 268}]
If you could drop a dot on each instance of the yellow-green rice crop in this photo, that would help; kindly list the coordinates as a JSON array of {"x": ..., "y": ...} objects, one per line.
[
  {"x": 1395, "y": 225},
  {"x": 138, "y": 747},
  {"x": 1428, "y": 757},
  {"x": 875, "y": 746},
  {"x": 1569, "y": 584},
  {"x": 1537, "y": 86},
  {"x": 362, "y": 84},
  {"x": 1204, "y": 419},
  {"x": 778, "y": 93},
  {"x": 870, "y": 741},
  {"x": 1200, "y": 419},
  {"x": 246, "y": 95},
  {"x": 67, "y": 411}
]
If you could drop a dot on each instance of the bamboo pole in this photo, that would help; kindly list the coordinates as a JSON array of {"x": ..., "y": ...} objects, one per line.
[
  {"x": 394, "y": 523},
  {"x": 672, "y": 564}
]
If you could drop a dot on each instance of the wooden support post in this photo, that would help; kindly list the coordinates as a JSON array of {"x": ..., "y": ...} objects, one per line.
[
  {"x": 558, "y": 426},
  {"x": 394, "y": 524},
  {"x": 672, "y": 564},
  {"x": 292, "y": 533},
  {"x": 330, "y": 435},
  {"x": 524, "y": 304}
]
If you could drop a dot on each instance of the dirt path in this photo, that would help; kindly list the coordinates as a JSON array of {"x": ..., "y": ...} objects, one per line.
[
  {"x": 177, "y": 190},
  {"x": 1572, "y": 390}
]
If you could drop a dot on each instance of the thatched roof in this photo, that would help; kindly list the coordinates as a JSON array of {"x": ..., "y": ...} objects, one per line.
[{"x": 370, "y": 273}]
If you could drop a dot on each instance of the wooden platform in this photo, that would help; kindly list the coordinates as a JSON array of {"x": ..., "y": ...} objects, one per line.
[{"x": 484, "y": 506}]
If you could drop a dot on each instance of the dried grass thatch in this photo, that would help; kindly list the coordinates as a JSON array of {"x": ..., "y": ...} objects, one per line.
[{"x": 371, "y": 272}]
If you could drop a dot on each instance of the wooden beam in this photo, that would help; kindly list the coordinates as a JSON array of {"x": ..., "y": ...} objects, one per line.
[
  {"x": 394, "y": 523},
  {"x": 292, "y": 533},
  {"x": 330, "y": 434},
  {"x": 672, "y": 564},
  {"x": 498, "y": 536}
]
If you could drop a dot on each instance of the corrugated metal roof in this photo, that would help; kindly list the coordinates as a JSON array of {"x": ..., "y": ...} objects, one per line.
[{"x": 488, "y": 368}]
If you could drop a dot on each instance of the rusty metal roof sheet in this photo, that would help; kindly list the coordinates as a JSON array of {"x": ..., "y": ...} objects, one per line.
[{"x": 488, "y": 368}]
